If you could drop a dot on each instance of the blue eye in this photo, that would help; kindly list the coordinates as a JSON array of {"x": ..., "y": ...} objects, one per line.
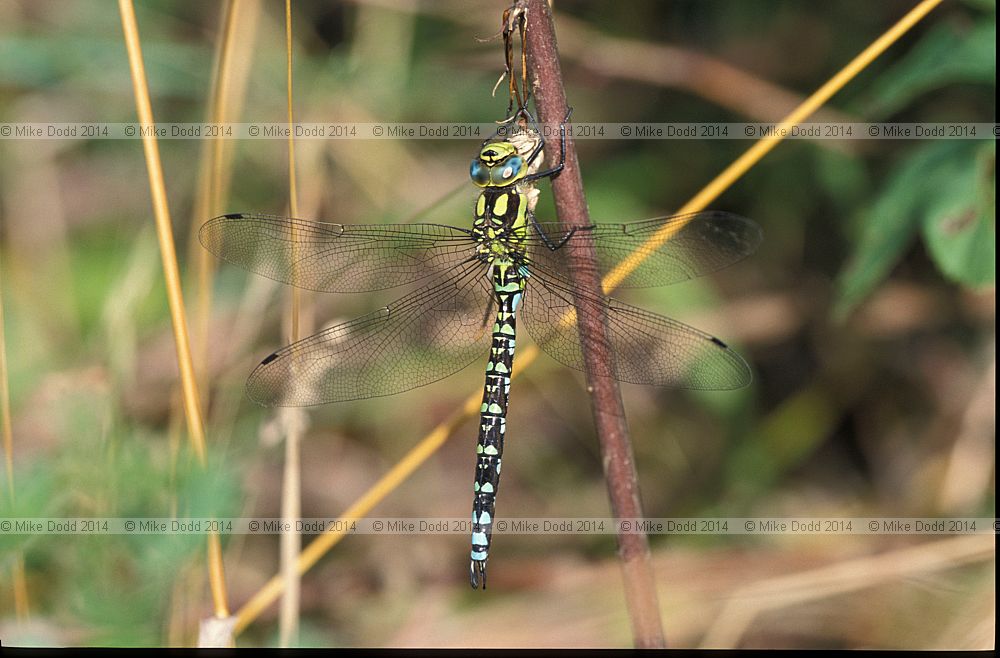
[
  {"x": 509, "y": 170},
  {"x": 480, "y": 174}
]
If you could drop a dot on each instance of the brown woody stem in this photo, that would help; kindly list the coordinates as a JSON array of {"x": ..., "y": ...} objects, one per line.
[{"x": 609, "y": 414}]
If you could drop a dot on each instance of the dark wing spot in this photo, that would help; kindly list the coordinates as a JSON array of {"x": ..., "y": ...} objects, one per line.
[
  {"x": 270, "y": 358},
  {"x": 719, "y": 343},
  {"x": 234, "y": 215}
]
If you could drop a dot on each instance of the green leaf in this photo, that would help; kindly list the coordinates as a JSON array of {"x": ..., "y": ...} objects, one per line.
[
  {"x": 944, "y": 188},
  {"x": 887, "y": 230},
  {"x": 960, "y": 224},
  {"x": 946, "y": 55}
]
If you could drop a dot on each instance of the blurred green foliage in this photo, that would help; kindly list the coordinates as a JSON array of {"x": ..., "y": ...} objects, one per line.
[{"x": 942, "y": 190}]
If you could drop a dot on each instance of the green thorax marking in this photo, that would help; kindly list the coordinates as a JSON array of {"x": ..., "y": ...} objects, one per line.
[{"x": 500, "y": 225}]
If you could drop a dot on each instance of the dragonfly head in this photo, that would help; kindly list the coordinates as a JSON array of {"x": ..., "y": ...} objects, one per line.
[{"x": 498, "y": 165}]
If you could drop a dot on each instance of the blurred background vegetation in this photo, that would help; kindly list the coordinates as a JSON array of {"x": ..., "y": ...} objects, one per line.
[{"x": 868, "y": 316}]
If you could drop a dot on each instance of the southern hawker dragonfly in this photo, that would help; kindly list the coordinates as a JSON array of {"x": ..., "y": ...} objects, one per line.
[{"x": 476, "y": 281}]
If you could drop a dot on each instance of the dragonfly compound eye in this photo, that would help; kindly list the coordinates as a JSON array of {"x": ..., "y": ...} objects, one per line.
[
  {"x": 479, "y": 173},
  {"x": 509, "y": 171}
]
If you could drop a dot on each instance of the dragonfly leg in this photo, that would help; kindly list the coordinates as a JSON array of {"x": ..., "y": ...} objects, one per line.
[
  {"x": 566, "y": 237},
  {"x": 548, "y": 173},
  {"x": 553, "y": 246}
]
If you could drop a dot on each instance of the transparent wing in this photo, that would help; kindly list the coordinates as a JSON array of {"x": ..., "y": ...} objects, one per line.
[
  {"x": 647, "y": 348},
  {"x": 335, "y": 257},
  {"x": 425, "y": 336},
  {"x": 694, "y": 245}
]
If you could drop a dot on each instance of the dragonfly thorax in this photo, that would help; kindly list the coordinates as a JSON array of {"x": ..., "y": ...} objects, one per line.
[{"x": 500, "y": 223}]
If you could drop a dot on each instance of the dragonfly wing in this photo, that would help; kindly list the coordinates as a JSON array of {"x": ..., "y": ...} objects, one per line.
[
  {"x": 657, "y": 252},
  {"x": 335, "y": 257},
  {"x": 425, "y": 336},
  {"x": 646, "y": 348}
]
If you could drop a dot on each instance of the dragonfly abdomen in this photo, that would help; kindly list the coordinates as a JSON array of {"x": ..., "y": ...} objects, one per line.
[{"x": 508, "y": 286}]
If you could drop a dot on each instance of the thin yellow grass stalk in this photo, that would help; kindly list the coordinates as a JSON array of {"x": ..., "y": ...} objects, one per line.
[
  {"x": 229, "y": 75},
  {"x": 440, "y": 434},
  {"x": 171, "y": 271}
]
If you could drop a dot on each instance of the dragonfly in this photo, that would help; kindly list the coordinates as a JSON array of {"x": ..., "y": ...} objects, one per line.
[{"x": 471, "y": 285}]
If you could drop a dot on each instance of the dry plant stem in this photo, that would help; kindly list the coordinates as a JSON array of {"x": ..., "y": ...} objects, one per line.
[
  {"x": 291, "y": 489},
  {"x": 427, "y": 446},
  {"x": 171, "y": 272},
  {"x": 207, "y": 200},
  {"x": 293, "y": 194},
  {"x": 915, "y": 562},
  {"x": 606, "y": 400},
  {"x": 291, "y": 541},
  {"x": 19, "y": 578}
]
